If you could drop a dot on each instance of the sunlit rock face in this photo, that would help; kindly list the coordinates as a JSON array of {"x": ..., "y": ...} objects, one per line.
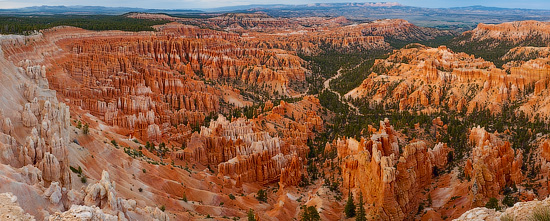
[
  {"x": 515, "y": 32},
  {"x": 520, "y": 211},
  {"x": 494, "y": 165},
  {"x": 148, "y": 82},
  {"x": 437, "y": 78},
  {"x": 390, "y": 177}
]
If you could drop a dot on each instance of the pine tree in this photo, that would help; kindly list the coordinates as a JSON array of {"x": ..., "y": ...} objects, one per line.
[
  {"x": 493, "y": 204},
  {"x": 350, "y": 206},
  {"x": 310, "y": 214},
  {"x": 261, "y": 195},
  {"x": 250, "y": 215},
  {"x": 361, "y": 214},
  {"x": 86, "y": 128}
]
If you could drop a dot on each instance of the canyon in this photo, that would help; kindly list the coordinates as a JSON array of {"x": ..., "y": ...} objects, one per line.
[{"x": 226, "y": 117}]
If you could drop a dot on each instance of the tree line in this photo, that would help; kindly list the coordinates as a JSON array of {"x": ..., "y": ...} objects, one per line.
[{"x": 28, "y": 24}]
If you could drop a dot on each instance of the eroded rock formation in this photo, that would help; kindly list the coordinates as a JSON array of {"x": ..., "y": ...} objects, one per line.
[
  {"x": 242, "y": 154},
  {"x": 516, "y": 32},
  {"x": 390, "y": 177},
  {"x": 494, "y": 165},
  {"x": 434, "y": 78}
]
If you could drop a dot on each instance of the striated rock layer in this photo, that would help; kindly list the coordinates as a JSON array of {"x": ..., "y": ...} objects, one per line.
[
  {"x": 390, "y": 177},
  {"x": 34, "y": 126},
  {"x": 148, "y": 82},
  {"x": 516, "y": 32},
  {"x": 494, "y": 165},
  {"x": 35, "y": 139},
  {"x": 434, "y": 78}
]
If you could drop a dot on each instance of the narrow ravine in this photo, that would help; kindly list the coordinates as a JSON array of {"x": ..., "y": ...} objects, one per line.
[{"x": 326, "y": 86}]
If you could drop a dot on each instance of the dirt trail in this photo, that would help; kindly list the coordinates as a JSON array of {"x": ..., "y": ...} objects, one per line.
[{"x": 326, "y": 86}]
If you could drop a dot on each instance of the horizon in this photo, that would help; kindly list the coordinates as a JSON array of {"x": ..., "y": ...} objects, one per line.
[{"x": 211, "y": 4}]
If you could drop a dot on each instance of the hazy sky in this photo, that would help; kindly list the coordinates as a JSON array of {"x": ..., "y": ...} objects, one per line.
[{"x": 194, "y": 4}]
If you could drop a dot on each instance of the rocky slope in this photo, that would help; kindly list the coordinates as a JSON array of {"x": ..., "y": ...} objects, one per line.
[
  {"x": 150, "y": 84},
  {"x": 128, "y": 89},
  {"x": 435, "y": 78},
  {"x": 186, "y": 123},
  {"x": 493, "y": 41},
  {"x": 402, "y": 30},
  {"x": 10, "y": 210},
  {"x": 501, "y": 165},
  {"x": 515, "y": 32},
  {"x": 312, "y": 35},
  {"x": 37, "y": 139},
  {"x": 520, "y": 211}
]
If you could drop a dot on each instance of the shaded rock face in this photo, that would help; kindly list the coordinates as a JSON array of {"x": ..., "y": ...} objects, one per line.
[
  {"x": 344, "y": 39},
  {"x": 519, "y": 55},
  {"x": 493, "y": 166},
  {"x": 431, "y": 79},
  {"x": 34, "y": 128},
  {"x": 527, "y": 59},
  {"x": 34, "y": 140},
  {"x": 267, "y": 149},
  {"x": 142, "y": 84},
  {"x": 146, "y": 83},
  {"x": 99, "y": 201},
  {"x": 388, "y": 176},
  {"x": 542, "y": 161}
]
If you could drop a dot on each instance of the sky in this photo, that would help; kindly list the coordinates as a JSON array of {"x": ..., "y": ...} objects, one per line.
[{"x": 198, "y": 4}]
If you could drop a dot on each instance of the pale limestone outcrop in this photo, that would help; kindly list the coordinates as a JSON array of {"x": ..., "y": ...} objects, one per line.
[
  {"x": 6, "y": 125},
  {"x": 10, "y": 210},
  {"x": 155, "y": 213},
  {"x": 34, "y": 136},
  {"x": 51, "y": 170},
  {"x": 153, "y": 133},
  {"x": 480, "y": 214},
  {"x": 521, "y": 211},
  {"x": 32, "y": 174},
  {"x": 75, "y": 197},
  {"x": 8, "y": 150},
  {"x": 82, "y": 213},
  {"x": 53, "y": 193},
  {"x": 28, "y": 117},
  {"x": 102, "y": 194}
]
